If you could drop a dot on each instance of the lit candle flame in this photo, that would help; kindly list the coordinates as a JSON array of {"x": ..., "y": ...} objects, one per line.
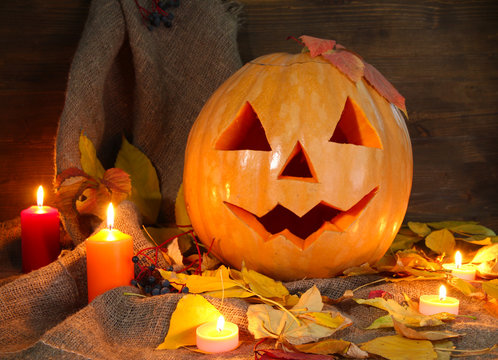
[
  {"x": 221, "y": 324},
  {"x": 442, "y": 293},
  {"x": 39, "y": 196},
  {"x": 110, "y": 216},
  {"x": 458, "y": 259}
]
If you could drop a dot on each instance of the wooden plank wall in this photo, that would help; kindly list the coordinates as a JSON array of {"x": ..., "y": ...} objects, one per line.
[{"x": 441, "y": 55}]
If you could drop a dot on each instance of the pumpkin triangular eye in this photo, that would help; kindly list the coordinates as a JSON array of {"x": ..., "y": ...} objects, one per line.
[
  {"x": 354, "y": 128},
  {"x": 244, "y": 133},
  {"x": 298, "y": 166}
]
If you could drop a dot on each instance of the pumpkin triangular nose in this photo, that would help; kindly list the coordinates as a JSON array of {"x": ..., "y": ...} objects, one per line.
[{"x": 298, "y": 166}]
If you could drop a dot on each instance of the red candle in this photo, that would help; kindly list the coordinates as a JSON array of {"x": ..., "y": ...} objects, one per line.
[
  {"x": 40, "y": 235},
  {"x": 108, "y": 259}
]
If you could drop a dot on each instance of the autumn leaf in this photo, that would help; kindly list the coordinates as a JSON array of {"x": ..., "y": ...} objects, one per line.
[
  {"x": 265, "y": 321},
  {"x": 464, "y": 286},
  {"x": 421, "y": 229},
  {"x": 396, "y": 347},
  {"x": 333, "y": 346},
  {"x": 191, "y": 311},
  {"x": 383, "y": 86},
  {"x": 485, "y": 254},
  {"x": 448, "y": 224},
  {"x": 347, "y": 62},
  {"x": 89, "y": 161},
  {"x": 363, "y": 269},
  {"x": 263, "y": 285},
  {"x": 432, "y": 335},
  {"x": 145, "y": 191},
  {"x": 405, "y": 315},
  {"x": 267, "y": 354},
  {"x": 491, "y": 288},
  {"x": 181, "y": 216},
  {"x": 317, "y": 46},
  {"x": 403, "y": 242},
  {"x": 441, "y": 241}
]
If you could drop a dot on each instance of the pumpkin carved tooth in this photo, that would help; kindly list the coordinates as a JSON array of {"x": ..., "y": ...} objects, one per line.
[{"x": 304, "y": 229}]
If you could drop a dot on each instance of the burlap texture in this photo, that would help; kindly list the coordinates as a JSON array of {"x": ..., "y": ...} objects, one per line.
[{"x": 149, "y": 86}]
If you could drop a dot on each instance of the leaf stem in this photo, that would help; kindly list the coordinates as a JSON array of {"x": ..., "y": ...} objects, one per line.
[{"x": 368, "y": 284}]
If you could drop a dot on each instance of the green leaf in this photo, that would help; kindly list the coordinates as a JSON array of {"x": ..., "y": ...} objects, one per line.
[
  {"x": 89, "y": 161},
  {"x": 473, "y": 229},
  {"x": 480, "y": 239},
  {"x": 441, "y": 241},
  {"x": 449, "y": 224},
  {"x": 145, "y": 192},
  {"x": 403, "y": 242},
  {"x": 419, "y": 228}
]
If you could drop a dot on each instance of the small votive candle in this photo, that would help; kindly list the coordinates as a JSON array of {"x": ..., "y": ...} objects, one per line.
[
  {"x": 433, "y": 304},
  {"x": 217, "y": 336},
  {"x": 465, "y": 271}
]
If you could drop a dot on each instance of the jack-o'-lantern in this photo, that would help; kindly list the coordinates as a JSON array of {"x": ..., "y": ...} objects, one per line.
[{"x": 296, "y": 170}]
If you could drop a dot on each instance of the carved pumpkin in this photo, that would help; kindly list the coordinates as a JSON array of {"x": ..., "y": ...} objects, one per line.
[{"x": 296, "y": 170}]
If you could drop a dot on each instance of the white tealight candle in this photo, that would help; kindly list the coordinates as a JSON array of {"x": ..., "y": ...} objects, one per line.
[
  {"x": 433, "y": 304},
  {"x": 217, "y": 336},
  {"x": 465, "y": 271}
]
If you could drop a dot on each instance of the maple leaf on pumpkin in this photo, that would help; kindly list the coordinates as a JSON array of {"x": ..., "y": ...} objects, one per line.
[{"x": 353, "y": 66}]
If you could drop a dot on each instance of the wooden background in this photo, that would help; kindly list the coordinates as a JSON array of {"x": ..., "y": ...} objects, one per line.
[{"x": 441, "y": 55}]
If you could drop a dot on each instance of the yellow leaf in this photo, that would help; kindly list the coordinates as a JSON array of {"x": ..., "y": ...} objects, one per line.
[
  {"x": 89, "y": 161},
  {"x": 325, "y": 347},
  {"x": 263, "y": 285},
  {"x": 363, "y": 269},
  {"x": 491, "y": 288},
  {"x": 311, "y": 300},
  {"x": 441, "y": 241},
  {"x": 324, "y": 319},
  {"x": 486, "y": 253},
  {"x": 145, "y": 192},
  {"x": 405, "y": 315},
  {"x": 181, "y": 216},
  {"x": 396, "y": 347},
  {"x": 464, "y": 286},
  {"x": 191, "y": 311},
  {"x": 423, "y": 335},
  {"x": 443, "y": 349}
]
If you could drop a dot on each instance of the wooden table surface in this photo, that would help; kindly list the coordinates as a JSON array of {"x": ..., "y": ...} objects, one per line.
[{"x": 441, "y": 55}]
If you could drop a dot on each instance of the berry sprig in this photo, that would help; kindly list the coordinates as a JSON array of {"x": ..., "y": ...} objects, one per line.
[
  {"x": 159, "y": 13},
  {"x": 149, "y": 278}
]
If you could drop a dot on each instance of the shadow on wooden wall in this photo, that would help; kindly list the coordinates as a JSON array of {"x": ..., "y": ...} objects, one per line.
[{"x": 442, "y": 56}]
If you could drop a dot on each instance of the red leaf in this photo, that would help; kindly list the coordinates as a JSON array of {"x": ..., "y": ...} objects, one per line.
[
  {"x": 317, "y": 46},
  {"x": 384, "y": 87},
  {"x": 280, "y": 354},
  {"x": 117, "y": 180},
  {"x": 376, "y": 294},
  {"x": 347, "y": 62},
  {"x": 69, "y": 173}
]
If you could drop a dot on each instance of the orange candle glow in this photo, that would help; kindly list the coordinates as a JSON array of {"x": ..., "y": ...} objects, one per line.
[{"x": 108, "y": 259}]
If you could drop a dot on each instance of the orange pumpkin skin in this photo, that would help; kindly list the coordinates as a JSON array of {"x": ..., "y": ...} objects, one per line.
[{"x": 330, "y": 142}]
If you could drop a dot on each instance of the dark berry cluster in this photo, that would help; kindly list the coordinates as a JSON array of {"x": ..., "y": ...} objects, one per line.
[
  {"x": 160, "y": 13},
  {"x": 151, "y": 282}
]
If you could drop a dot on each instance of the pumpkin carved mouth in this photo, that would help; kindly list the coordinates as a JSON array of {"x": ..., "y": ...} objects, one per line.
[{"x": 304, "y": 230}]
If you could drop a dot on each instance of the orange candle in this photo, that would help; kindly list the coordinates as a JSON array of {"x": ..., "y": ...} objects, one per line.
[{"x": 108, "y": 259}]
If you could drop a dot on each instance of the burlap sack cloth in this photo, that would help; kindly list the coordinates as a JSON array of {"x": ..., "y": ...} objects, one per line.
[{"x": 149, "y": 86}]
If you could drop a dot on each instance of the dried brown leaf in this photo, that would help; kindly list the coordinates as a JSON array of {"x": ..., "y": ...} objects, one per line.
[{"x": 409, "y": 333}]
